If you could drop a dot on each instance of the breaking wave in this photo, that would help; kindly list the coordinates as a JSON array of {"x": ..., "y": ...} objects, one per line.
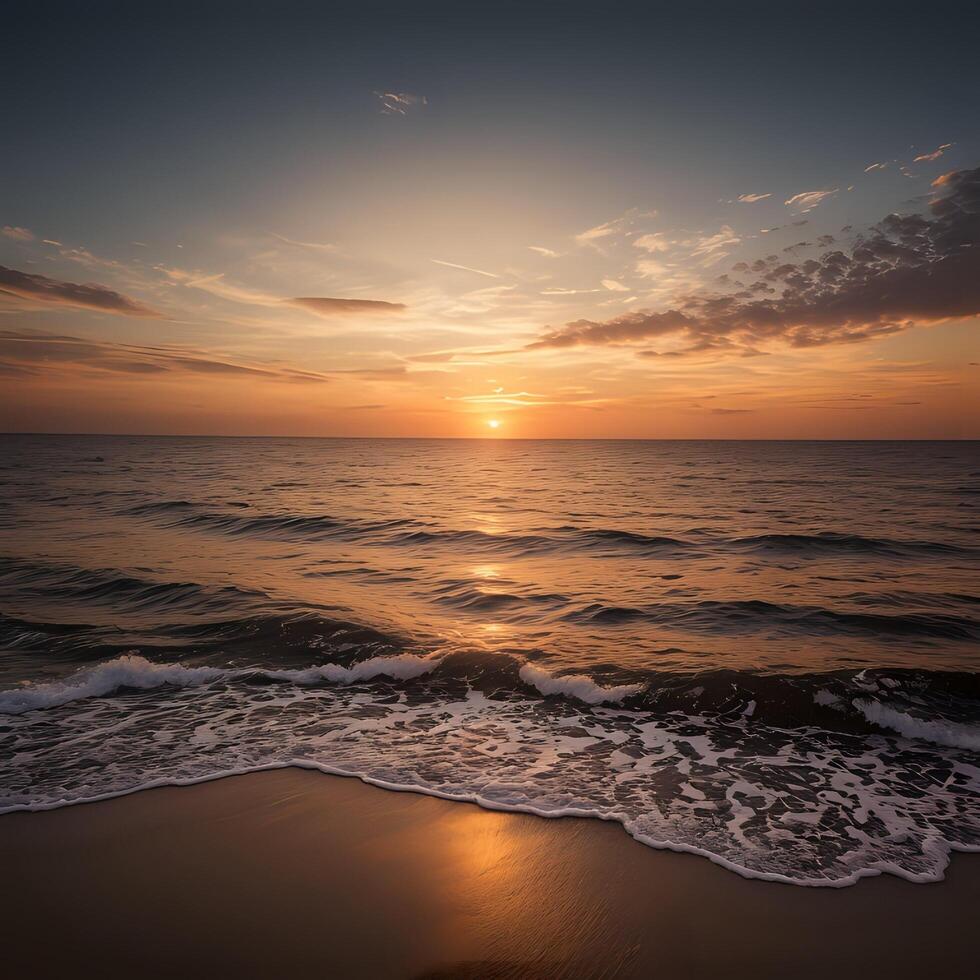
[{"x": 576, "y": 686}]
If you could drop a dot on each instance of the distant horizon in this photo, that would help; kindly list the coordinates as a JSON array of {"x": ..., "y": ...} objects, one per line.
[{"x": 487, "y": 438}]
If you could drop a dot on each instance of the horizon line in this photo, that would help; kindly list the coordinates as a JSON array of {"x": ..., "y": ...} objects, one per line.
[{"x": 207, "y": 435}]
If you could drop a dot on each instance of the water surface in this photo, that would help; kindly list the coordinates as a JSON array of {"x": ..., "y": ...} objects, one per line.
[{"x": 764, "y": 652}]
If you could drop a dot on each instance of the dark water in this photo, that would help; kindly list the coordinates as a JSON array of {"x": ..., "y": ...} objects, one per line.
[{"x": 768, "y": 653}]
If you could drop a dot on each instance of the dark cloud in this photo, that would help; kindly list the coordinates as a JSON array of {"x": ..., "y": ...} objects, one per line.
[
  {"x": 328, "y": 306},
  {"x": 907, "y": 269},
  {"x": 29, "y": 353},
  {"x": 90, "y": 296}
]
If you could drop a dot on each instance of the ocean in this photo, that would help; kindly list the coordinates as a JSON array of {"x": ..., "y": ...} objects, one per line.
[{"x": 766, "y": 653}]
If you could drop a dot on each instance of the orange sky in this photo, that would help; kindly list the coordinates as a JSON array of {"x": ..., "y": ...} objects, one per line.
[{"x": 414, "y": 277}]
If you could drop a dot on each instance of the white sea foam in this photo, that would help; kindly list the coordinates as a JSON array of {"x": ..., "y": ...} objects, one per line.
[
  {"x": 827, "y": 698},
  {"x": 93, "y": 682},
  {"x": 939, "y": 732},
  {"x": 734, "y": 804},
  {"x": 576, "y": 686},
  {"x": 403, "y": 667}
]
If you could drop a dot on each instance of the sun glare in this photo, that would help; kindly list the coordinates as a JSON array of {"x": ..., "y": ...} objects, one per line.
[{"x": 493, "y": 423}]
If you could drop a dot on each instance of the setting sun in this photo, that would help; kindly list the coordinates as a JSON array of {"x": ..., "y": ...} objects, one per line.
[{"x": 493, "y": 423}]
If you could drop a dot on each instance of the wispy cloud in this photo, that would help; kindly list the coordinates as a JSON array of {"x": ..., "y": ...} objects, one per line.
[
  {"x": 465, "y": 268},
  {"x": 330, "y": 306},
  {"x": 751, "y": 198},
  {"x": 310, "y": 246},
  {"x": 591, "y": 235},
  {"x": 40, "y": 289},
  {"x": 875, "y": 166},
  {"x": 808, "y": 200},
  {"x": 713, "y": 248},
  {"x": 218, "y": 286},
  {"x": 546, "y": 252},
  {"x": 17, "y": 234},
  {"x": 321, "y": 305},
  {"x": 400, "y": 103},
  {"x": 614, "y": 285},
  {"x": 34, "y": 353},
  {"x": 597, "y": 235},
  {"x": 935, "y": 155}
]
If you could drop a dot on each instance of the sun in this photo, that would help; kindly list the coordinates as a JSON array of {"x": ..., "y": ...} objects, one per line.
[{"x": 493, "y": 423}]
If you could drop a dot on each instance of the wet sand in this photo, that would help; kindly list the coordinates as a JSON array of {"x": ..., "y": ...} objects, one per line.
[{"x": 296, "y": 874}]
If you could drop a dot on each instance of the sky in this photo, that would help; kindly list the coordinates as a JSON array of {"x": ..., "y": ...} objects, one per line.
[{"x": 504, "y": 220}]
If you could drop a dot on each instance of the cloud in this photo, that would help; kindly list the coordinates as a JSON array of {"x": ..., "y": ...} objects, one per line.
[
  {"x": 465, "y": 268},
  {"x": 947, "y": 178},
  {"x": 399, "y": 373},
  {"x": 53, "y": 292},
  {"x": 808, "y": 200},
  {"x": 875, "y": 166},
  {"x": 615, "y": 286},
  {"x": 217, "y": 286},
  {"x": 546, "y": 252},
  {"x": 33, "y": 352},
  {"x": 935, "y": 155},
  {"x": 655, "y": 242},
  {"x": 709, "y": 246},
  {"x": 400, "y": 103},
  {"x": 596, "y": 235},
  {"x": 905, "y": 270},
  {"x": 310, "y": 246},
  {"x": 321, "y": 305},
  {"x": 752, "y": 198},
  {"x": 591, "y": 235},
  {"x": 328, "y": 306},
  {"x": 17, "y": 234}
]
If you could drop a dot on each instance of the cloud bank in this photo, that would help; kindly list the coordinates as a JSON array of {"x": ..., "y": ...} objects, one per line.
[
  {"x": 53, "y": 292},
  {"x": 905, "y": 270}
]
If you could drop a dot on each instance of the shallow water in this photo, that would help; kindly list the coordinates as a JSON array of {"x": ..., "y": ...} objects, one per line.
[{"x": 764, "y": 652}]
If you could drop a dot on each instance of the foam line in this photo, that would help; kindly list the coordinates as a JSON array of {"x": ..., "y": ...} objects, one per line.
[{"x": 942, "y": 848}]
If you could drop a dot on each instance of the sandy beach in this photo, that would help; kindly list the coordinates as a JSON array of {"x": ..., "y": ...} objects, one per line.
[{"x": 296, "y": 874}]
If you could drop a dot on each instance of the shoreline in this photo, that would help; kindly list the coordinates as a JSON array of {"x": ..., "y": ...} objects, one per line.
[
  {"x": 568, "y": 813},
  {"x": 293, "y": 872}
]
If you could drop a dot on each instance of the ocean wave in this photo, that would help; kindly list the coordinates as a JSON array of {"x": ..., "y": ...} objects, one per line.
[
  {"x": 409, "y": 532},
  {"x": 939, "y": 732},
  {"x": 115, "y": 589},
  {"x": 751, "y": 615},
  {"x": 404, "y": 666},
  {"x": 576, "y": 686},
  {"x": 126, "y": 671},
  {"x": 835, "y": 544},
  {"x": 138, "y": 673}
]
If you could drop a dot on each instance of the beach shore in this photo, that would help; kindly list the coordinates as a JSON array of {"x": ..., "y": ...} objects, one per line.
[{"x": 293, "y": 873}]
